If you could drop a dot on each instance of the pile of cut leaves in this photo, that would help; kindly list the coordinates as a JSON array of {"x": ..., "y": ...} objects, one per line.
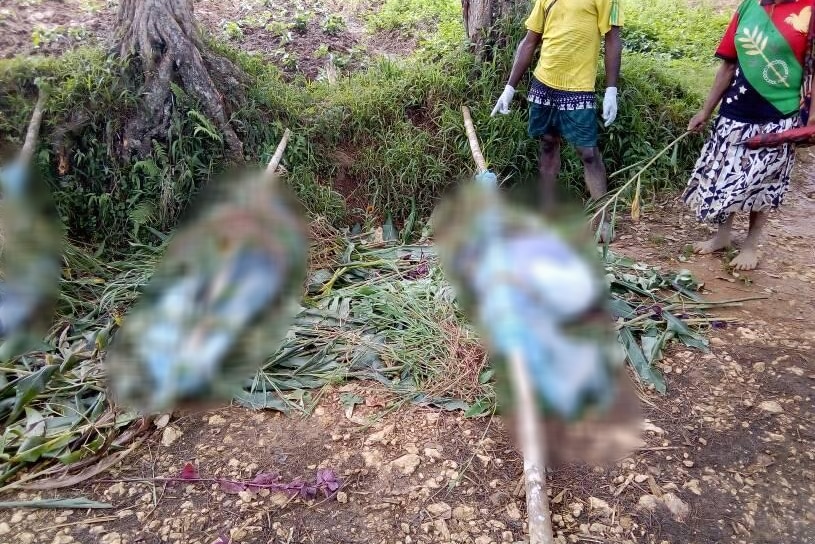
[{"x": 372, "y": 310}]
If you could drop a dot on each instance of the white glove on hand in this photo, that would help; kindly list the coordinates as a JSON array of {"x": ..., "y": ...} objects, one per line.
[
  {"x": 505, "y": 101},
  {"x": 610, "y": 106}
]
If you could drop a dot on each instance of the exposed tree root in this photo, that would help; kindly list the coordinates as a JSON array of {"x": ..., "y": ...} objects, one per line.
[{"x": 164, "y": 37}]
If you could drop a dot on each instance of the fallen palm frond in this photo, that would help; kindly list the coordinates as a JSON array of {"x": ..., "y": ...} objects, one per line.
[{"x": 372, "y": 311}]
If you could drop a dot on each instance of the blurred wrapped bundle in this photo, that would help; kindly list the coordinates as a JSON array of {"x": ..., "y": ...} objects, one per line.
[
  {"x": 530, "y": 292},
  {"x": 31, "y": 250},
  {"x": 219, "y": 303},
  {"x": 534, "y": 294}
]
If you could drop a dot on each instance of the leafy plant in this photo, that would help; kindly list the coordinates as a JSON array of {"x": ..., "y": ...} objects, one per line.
[
  {"x": 322, "y": 51},
  {"x": 233, "y": 30},
  {"x": 257, "y": 19},
  {"x": 334, "y": 25},
  {"x": 277, "y": 28},
  {"x": 302, "y": 20}
]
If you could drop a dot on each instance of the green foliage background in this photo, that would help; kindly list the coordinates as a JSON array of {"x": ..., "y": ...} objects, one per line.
[{"x": 399, "y": 121}]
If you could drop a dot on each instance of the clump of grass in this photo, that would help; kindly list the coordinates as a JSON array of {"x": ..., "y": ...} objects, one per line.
[
  {"x": 410, "y": 15},
  {"x": 233, "y": 31},
  {"x": 671, "y": 29},
  {"x": 334, "y": 25}
]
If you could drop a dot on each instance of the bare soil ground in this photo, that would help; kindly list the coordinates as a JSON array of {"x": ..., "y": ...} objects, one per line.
[
  {"x": 729, "y": 453},
  {"x": 300, "y": 38}
]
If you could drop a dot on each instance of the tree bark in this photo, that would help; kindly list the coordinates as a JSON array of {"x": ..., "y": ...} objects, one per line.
[
  {"x": 480, "y": 17},
  {"x": 162, "y": 38}
]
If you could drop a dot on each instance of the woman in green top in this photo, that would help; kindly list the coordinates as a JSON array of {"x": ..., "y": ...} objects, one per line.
[{"x": 763, "y": 86}]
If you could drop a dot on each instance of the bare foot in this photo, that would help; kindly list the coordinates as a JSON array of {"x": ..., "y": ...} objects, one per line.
[
  {"x": 747, "y": 259},
  {"x": 710, "y": 246}
]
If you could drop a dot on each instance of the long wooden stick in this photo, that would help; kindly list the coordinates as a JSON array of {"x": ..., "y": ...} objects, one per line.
[
  {"x": 27, "y": 151},
  {"x": 278, "y": 154},
  {"x": 530, "y": 427},
  {"x": 529, "y": 430},
  {"x": 473, "y": 138}
]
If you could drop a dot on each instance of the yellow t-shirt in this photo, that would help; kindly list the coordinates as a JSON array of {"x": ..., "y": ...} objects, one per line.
[{"x": 571, "y": 40}]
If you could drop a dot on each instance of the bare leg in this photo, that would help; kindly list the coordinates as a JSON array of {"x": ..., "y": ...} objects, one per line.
[
  {"x": 719, "y": 241},
  {"x": 596, "y": 182},
  {"x": 747, "y": 258},
  {"x": 549, "y": 169}
]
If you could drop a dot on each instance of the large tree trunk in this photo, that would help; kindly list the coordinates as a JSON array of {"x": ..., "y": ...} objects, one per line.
[
  {"x": 161, "y": 38},
  {"x": 480, "y": 17}
]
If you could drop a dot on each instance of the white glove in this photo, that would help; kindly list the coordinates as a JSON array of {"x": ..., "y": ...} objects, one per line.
[
  {"x": 505, "y": 101},
  {"x": 610, "y": 106}
]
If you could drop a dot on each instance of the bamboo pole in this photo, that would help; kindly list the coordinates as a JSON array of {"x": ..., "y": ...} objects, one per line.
[
  {"x": 530, "y": 427},
  {"x": 278, "y": 154},
  {"x": 27, "y": 151},
  {"x": 475, "y": 148}
]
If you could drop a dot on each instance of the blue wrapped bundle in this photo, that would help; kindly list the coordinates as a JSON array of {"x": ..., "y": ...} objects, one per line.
[
  {"x": 218, "y": 305},
  {"x": 532, "y": 294},
  {"x": 30, "y": 262}
]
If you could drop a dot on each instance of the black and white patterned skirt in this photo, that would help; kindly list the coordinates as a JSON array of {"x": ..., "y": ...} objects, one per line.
[{"x": 730, "y": 178}]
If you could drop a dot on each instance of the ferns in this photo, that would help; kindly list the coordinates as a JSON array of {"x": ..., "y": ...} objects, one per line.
[{"x": 205, "y": 126}]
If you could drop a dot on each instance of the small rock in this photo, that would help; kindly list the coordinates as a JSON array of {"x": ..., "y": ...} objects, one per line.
[
  {"x": 380, "y": 437},
  {"x": 246, "y": 496},
  {"x": 162, "y": 421},
  {"x": 693, "y": 487},
  {"x": 464, "y": 513},
  {"x": 599, "y": 505},
  {"x": 4, "y": 528},
  {"x": 342, "y": 497},
  {"x": 647, "y": 426},
  {"x": 216, "y": 420},
  {"x": 640, "y": 478},
  {"x": 513, "y": 511},
  {"x": 507, "y": 536},
  {"x": 440, "y": 510},
  {"x": 111, "y": 538},
  {"x": 373, "y": 458},
  {"x": 169, "y": 436},
  {"x": 407, "y": 464},
  {"x": 115, "y": 490},
  {"x": 771, "y": 406},
  {"x": 688, "y": 463},
  {"x": 648, "y": 502},
  {"x": 598, "y": 528},
  {"x": 279, "y": 499},
  {"x": 432, "y": 453},
  {"x": 483, "y": 539},
  {"x": 441, "y": 526},
  {"x": 576, "y": 508},
  {"x": 759, "y": 367},
  {"x": 678, "y": 509}
]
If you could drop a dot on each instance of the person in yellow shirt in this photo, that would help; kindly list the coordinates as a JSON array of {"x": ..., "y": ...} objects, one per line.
[{"x": 562, "y": 93}]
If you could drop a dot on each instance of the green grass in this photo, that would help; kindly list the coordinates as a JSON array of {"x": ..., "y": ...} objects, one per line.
[
  {"x": 671, "y": 29},
  {"x": 399, "y": 120},
  {"x": 414, "y": 14}
]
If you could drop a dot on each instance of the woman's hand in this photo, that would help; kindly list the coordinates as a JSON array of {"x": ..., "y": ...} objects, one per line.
[{"x": 698, "y": 122}]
